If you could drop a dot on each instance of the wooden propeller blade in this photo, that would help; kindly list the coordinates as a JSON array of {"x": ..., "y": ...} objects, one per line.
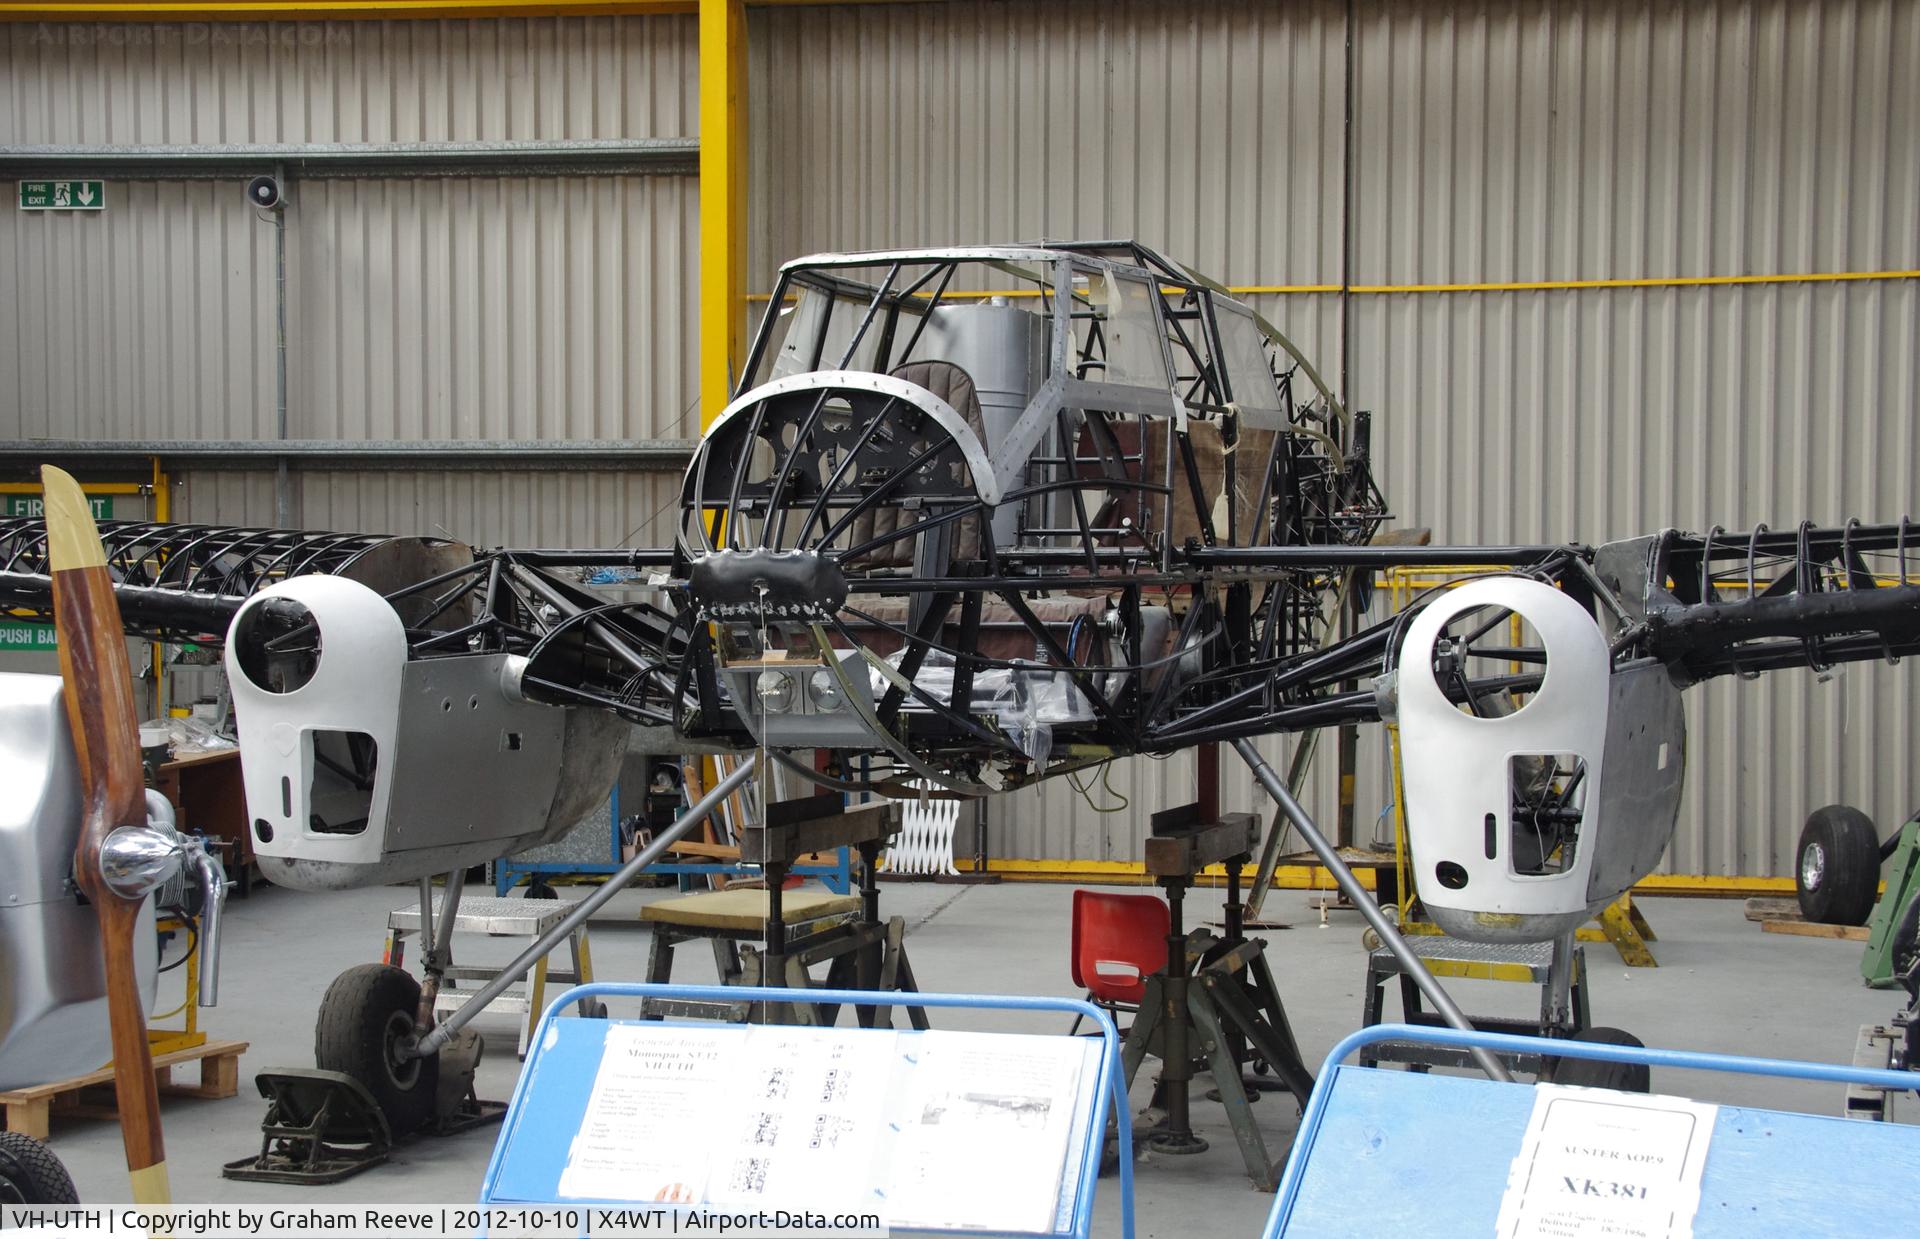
[{"x": 106, "y": 738}]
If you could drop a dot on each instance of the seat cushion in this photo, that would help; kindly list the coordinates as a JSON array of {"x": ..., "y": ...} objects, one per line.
[
  {"x": 746, "y": 909},
  {"x": 953, "y": 385}
]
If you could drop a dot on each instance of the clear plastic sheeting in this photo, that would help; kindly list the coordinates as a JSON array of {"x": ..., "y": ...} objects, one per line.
[
  {"x": 1028, "y": 700},
  {"x": 819, "y": 330},
  {"x": 1133, "y": 340},
  {"x": 1248, "y": 367},
  {"x": 186, "y": 735}
]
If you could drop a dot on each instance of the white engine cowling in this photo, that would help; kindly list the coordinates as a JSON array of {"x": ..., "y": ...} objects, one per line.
[
  {"x": 53, "y": 1004},
  {"x": 1623, "y": 729},
  {"x": 365, "y": 767}
]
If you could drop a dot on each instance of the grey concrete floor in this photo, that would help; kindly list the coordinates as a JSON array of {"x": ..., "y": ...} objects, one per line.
[{"x": 1721, "y": 985}]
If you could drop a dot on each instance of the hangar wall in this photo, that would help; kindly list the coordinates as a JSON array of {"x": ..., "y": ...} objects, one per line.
[
  {"x": 1497, "y": 143},
  {"x": 420, "y": 308},
  {"x": 1493, "y": 143}
]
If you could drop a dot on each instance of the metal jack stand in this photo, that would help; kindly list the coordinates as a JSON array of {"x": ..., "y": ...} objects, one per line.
[
  {"x": 873, "y": 951},
  {"x": 861, "y": 950},
  {"x": 1214, "y": 1002}
]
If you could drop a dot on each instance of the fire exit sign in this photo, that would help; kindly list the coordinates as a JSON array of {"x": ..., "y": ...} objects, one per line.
[
  {"x": 63, "y": 195},
  {"x": 18, "y": 636},
  {"x": 35, "y": 507}
]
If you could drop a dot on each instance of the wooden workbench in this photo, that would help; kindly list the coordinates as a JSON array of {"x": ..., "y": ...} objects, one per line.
[{"x": 209, "y": 797}]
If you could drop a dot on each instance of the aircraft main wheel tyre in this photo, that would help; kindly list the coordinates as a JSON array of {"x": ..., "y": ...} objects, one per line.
[
  {"x": 366, "y": 1023},
  {"x": 1591, "y": 1073},
  {"x": 31, "y": 1175},
  {"x": 1837, "y": 867}
]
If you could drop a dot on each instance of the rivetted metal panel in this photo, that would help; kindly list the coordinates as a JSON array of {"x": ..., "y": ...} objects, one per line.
[
  {"x": 1494, "y": 142},
  {"x": 456, "y": 307}
]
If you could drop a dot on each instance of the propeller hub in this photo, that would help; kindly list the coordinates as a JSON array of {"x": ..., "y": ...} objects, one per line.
[{"x": 137, "y": 860}]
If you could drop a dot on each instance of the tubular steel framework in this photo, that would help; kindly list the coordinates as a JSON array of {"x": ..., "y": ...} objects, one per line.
[{"x": 1136, "y": 536}]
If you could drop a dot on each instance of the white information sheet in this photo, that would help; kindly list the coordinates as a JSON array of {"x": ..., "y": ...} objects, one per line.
[
  {"x": 1596, "y": 1163},
  {"x": 645, "y": 1135},
  {"x": 984, "y": 1131},
  {"x": 804, "y": 1110},
  {"x": 941, "y": 1130}
]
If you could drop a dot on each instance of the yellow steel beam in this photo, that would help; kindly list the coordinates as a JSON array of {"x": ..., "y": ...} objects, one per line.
[
  {"x": 92, "y": 488},
  {"x": 1520, "y": 286},
  {"x": 723, "y": 198},
  {"x": 1674, "y": 281},
  {"x": 1313, "y": 877}
]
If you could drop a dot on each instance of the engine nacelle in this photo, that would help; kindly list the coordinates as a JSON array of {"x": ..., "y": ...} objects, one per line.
[
  {"x": 1522, "y": 825},
  {"x": 53, "y": 1004},
  {"x": 363, "y": 766}
]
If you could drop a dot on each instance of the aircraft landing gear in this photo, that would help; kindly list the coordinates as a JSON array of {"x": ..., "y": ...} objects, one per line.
[
  {"x": 366, "y": 1030},
  {"x": 374, "y": 1016}
]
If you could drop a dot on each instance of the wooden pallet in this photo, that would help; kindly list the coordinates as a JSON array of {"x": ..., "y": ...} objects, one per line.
[
  {"x": 1782, "y": 916},
  {"x": 1813, "y": 929},
  {"x": 30, "y": 1110}
]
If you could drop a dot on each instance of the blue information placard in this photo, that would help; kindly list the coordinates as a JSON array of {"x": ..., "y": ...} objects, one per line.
[{"x": 898, "y": 1125}]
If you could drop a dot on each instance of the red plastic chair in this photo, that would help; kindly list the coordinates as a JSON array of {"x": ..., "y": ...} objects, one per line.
[{"x": 1118, "y": 942}]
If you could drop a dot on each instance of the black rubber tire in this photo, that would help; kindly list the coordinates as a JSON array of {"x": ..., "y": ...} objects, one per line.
[
  {"x": 1836, "y": 868},
  {"x": 364, "y": 1015},
  {"x": 1590, "y": 1073},
  {"x": 31, "y": 1175}
]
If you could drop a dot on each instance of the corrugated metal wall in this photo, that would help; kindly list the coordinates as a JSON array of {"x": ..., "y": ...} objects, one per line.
[
  {"x": 418, "y": 309},
  {"x": 489, "y": 508},
  {"x": 1493, "y": 142},
  {"x": 1516, "y": 142}
]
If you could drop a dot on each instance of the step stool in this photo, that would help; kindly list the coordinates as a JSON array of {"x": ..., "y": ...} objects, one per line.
[
  {"x": 499, "y": 918},
  {"x": 1486, "y": 961}
]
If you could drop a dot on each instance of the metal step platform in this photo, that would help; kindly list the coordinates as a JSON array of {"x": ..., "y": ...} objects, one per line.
[{"x": 525, "y": 919}]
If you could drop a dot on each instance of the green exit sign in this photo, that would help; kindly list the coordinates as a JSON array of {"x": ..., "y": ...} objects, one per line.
[
  {"x": 35, "y": 507},
  {"x": 63, "y": 195},
  {"x": 23, "y": 638}
]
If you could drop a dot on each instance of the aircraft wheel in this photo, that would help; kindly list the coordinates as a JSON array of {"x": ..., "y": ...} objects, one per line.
[
  {"x": 31, "y": 1175},
  {"x": 1837, "y": 867},
  {"x": 366, "y": 1022},
  {"x": 1591, "y": 1073}
]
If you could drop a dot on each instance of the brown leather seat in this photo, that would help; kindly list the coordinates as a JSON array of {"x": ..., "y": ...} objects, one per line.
[{"x": 955, "y": 386}]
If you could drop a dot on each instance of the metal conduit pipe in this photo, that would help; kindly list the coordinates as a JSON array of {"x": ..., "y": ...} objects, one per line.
[{"x": 1351, "y": 888}]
